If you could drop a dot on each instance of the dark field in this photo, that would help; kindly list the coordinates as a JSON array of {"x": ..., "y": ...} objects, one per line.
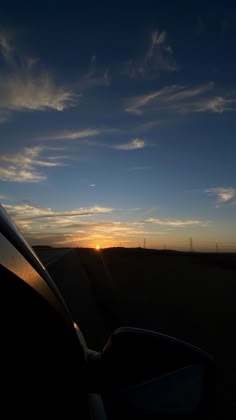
[{"x": 189, "y": 296}]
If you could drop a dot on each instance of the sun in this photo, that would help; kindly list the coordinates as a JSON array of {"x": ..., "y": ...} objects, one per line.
[{"x": 97, "y": 247}]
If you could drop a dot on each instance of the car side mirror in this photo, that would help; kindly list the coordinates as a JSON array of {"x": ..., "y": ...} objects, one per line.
[{"x": 142, "y": 374}]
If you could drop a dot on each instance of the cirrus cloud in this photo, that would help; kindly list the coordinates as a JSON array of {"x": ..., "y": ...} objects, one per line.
[
  {"x": 23, "y": 165},
  {"x": 157, "y": 58},
  {"x": 24, "y": 91},
  {"x": 132, "y": 145},
  {"x": 88, "y": 225},
  {"x": 222, "y": 194},
  {"x": 25, "y": 87},
  {"x": 79, "y": 134},
  {"x": 31, "y": 212},
  {"x": 174, "y": 222},
  {"x": 182, "y": 100}
]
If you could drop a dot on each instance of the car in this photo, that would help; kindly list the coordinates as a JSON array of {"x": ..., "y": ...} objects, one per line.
[{"x": 47, "y": 368}]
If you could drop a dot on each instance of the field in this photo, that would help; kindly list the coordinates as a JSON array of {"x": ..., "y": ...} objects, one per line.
[{"x": 191, "y": 296}]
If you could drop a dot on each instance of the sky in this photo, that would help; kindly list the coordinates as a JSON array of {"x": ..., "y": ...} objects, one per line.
[{"x": 118, "y": 123}]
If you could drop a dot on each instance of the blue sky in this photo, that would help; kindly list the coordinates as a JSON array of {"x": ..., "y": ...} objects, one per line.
[{"x": 117, "y": 123}]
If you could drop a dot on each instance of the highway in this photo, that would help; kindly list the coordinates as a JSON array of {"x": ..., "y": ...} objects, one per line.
[
  {"x": 50, "y": 255},
  {"x": 65, "y": 268},
  {"x": 186, "y": 296}
]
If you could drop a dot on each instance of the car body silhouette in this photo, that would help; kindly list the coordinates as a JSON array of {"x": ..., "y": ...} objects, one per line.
[{"x": 48, "y": 370}]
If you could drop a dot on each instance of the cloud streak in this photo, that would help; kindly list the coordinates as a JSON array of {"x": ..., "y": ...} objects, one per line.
[
  {"x": 84, "y": 136},
  {"x": 79, "y": 134},
  {"x": 176, "y": 223},
  {"x": 30, "y": 212},
  {"x": 23, "y": 166},
  {"x": 132, "y": 145},
  {"x": 176, "y": 99}
]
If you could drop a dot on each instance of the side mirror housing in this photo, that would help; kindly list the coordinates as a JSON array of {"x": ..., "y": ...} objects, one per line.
[{"x": 143, "y": 374}]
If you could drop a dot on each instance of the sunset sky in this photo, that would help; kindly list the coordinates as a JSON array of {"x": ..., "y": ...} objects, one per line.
[{"x": 118, "y": 122}]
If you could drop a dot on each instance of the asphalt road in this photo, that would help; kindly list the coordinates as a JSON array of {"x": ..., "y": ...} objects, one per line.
[
  {"x": 50, "y": 255},
  {"x": 78, "y": 292},
  {"x": 201, "y": 311}
]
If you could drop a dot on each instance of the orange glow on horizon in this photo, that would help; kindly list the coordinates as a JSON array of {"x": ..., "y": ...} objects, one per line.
[{"x": 97, "y": 248}]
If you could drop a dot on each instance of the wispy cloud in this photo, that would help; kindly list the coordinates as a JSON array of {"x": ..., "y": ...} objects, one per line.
[
  {"x": 132, "y": 145},
  {"x": 217, "y": 104},
  {"x": 137, "y": 103},
  {"x": 79, "y": 134},
  {"x": 29, "y": 92},
  {"x": 159, "y": 53},
  {"x": 174, "y": 222},
  {"x": 181, "y": 100},
  {"x": 31, "y": 212},
  {"x": 25, "y": 87},
  {"x": 72, "y": 232},
  {"x": 95, "y": 76},
  {"x": 47, "y": 226},
  {"x": 222, "y": 194},
  {"x": 157, "y": 58},
  {"x": 13, "y": 174},
  {"x": 23, "y": 165},
  {"x": 84, "y": 136},
  {"x": 90, "y": 225},
  {"x": 6, "y": 48}
]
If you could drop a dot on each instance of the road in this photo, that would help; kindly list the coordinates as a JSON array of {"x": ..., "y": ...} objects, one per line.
[
  {"x": 78, "y": 292},
  {"x": 180, "y": 295},
  {"x": 50, "y": 255}
]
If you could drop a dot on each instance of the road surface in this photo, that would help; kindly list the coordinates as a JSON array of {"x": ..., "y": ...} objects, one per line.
[
  {"x": 78, "y": 292},
  {"x": 180, "y": 295}
]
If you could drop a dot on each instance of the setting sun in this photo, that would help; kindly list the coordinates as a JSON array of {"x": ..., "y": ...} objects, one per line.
[{"x": 97, "y": 247}]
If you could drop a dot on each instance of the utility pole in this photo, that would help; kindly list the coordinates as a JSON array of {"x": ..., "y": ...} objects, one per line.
[{"x": 191, "y": 244}]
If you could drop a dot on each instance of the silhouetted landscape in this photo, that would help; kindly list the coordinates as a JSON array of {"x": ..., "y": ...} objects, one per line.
[{"x": 187, "y": 295}]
